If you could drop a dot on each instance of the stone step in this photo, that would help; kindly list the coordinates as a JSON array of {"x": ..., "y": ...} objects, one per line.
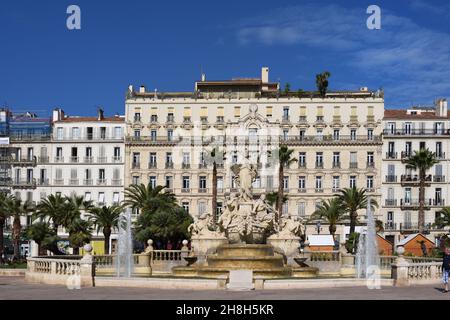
[
  {"x": 245, "y": 262},
  {"x": 245, "y": 250}
]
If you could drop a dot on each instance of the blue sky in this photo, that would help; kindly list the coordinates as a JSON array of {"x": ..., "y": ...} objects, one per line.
[{"x": 164, "y": 45}]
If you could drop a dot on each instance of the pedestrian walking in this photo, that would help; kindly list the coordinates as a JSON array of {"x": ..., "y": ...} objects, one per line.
[{"x": 445, "y": 242}]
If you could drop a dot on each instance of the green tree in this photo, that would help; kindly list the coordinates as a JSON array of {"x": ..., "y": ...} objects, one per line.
[
  {"x": 272, "y": 198},
  {"x": 443, "y": 219},
  {"x": 44, "y": 236},
  {"x": 4, "y": 214},
  {"x": 52, "y": 208},
  {"x": 17, "y": 209},
  {"x": 352, "y": 200},
  {"x": 332, "y": 212},
  {"x": 422, "y": 161},
  {"x": 287, "y": 88},
  {"x": 79, "y": 229},
  {"x": 147, "y": 199},
  {"x": 322, "y": 82},
  {"x": 105, "y": 219},
  {"x": 285, "y": 159}
]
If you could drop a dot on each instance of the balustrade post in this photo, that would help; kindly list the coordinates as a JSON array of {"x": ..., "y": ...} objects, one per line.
[
  {"x": 184, "y": 249},
  {"x": 53, "y": 267},
  {"x": 87, "y": 268},
  {"x": 399, "y": 269},
  {"x": 31, "y": 265}
]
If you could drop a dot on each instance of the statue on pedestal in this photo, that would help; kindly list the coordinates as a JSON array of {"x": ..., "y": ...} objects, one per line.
[{"x": 203, "y": 227}]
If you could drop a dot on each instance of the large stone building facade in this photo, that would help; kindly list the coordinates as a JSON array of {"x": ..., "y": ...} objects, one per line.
[
  {"x": 336, "y": 140},
  {"x": 407, "y": 131}
]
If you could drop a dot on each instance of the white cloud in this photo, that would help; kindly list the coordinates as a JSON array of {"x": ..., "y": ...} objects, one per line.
[{"x": 413, "y": 61}]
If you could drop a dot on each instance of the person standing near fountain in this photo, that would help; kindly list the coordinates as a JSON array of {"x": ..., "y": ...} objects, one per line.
[{"x": 445, "y": 245}]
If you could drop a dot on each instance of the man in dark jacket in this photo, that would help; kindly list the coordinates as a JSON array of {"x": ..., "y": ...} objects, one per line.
[{"x": 445, "y": 245}]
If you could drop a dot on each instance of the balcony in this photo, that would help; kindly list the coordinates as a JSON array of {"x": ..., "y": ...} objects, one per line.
[
  {"x": 74, "y": 159},
  {"x": 319, "y": 165},
  {"x": 170, "y": 119},
  {"x": 370, "y": 119},
  {"x": 370, "y": 165},
  {"x": 405, "y": 154},
  {"x": 59, "y": 159},
  {"x": 285, "y": 119},
  {"x": 102, "y": 159},
  {"x": 26, "y": 161},
  {"x": 301, "y": 165},
  {"x": 58, "y": 182},
  {"x": 202, "y": 166},
  {"x": 202, "y": 190},
  {"x": 43, "y": 182},
  {"x": 116, "y": 182},
  {"x": 301, "y": 190},
  {"x": 169, "y": 165},
  {"x": 436, "y": 202},
  {"x": 24, "y": 184},
  {"x": 335, "y": 190},
  {"x": 440, "y": 155},
  {"x": 43, "y": 159},
  {"x": 415, "y": 132},
  {"x": 391, "y": 179},
  {"x": 336, "y": 165},
  {"x": 185, "y": 190},
  {"x": 370, "y": 190},
  {"x": 409, "y": 203},
  {"x": 152, "y": 165},
  {"x": 135, "y": 165},
  {"x": 185, "y": 165},
  {"x": 319, "y": 190},
  {"x": 391, "y": 155},
  {"x": 353, "y": 165},
  {"x": 117, "y": 159},
  {"x": 101, "y": 182},
  {"x": 88, "y": 182},
  {"x": 414, "y": 180},
  {"x": 390, "y": 202},
  {"x": 438, "y": 178},
  {"x": 88, "y": 159},
  {"x": 73, "y": 182}
]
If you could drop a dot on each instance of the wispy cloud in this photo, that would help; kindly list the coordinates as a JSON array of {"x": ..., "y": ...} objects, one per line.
[{"x": 413, "y": 61}]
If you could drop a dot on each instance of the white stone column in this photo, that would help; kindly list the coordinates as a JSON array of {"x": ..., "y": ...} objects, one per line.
[
  {"x": 400, "y": 269},
  {"x": 87, "y": 268}
]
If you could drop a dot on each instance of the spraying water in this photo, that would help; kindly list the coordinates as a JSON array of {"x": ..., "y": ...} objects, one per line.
[
  {"x": 367, "y": 257},
  {"x": 124, "y": 261}
]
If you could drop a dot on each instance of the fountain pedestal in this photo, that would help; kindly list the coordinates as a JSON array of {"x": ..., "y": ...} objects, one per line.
[
  {"x": 204, "y": 245},
  {"x": 285, "y": 244}
]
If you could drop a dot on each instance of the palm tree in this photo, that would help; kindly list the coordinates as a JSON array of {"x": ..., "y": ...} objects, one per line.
[
  {"x": 17, "y": 209},
  {"x": 322, "y": 82},
  {"x": 78, "y": 229},
  {"x": 285, "y": 160},
  {"x": 148, "y": 199},
  {"x": 44, "y": 236},
  {"x": 353, "y": 199},
  {"x": 53, "y": 208},
  {"x": 4, "y": 214},
  {"x": 332, "y": 212},
  {"x": 105, "y": 219},
  {"x": 272, "y": 198},
  {"x": 422, "y": 161},
  {"x": 444, "y": 218}
]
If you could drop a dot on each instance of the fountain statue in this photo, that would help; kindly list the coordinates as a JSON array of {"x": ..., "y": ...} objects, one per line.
[
  {"x": 124, "y": 261},
  {"x": 247, "y": 235}
]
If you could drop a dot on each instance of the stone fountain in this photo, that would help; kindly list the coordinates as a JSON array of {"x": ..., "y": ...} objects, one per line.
[{"x": 247, "y": 236}]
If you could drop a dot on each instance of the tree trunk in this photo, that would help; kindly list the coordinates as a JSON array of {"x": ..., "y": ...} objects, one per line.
[
  {"x": 16, "y": 237},
  {"x": 421, "y": 202},
  {"x": 332, "y": 229},
  {"x": 2, "y": 227},
  {"x": 214, "y": 193},
  {"x": 353, "y": 216},
  {"x": 280, "y": 192},
  {"x": 76, "y": 251},
  {"x": 107, "y": 234}
]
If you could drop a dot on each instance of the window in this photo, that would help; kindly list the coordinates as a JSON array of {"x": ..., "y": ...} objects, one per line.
[
  {"x": 170, "y": 117},
  {"x": 116, "y": 153},
  {"x": 116, "y": 175},
  {"x": 408, "y": 149},
  {"x": 285, "y": 183},
  {"x": 439, "y": 153},
  {"x": 152, "y": 181},
  {"x": 186, "y": 158},
  {"x": 391, "y": 127},
  {"x": 87, "y": 174},
  {"x": 137, "y": 116},
  {"x": 285, "y": 208},
  {"x": 269, "y": 112},
  {"x": 285, "y": 113},
  {"x": 186, "y": 182},
  {"x": 319, "y": 134},
  {"x": 353, "y": 134},
  {"x": 117, "y": 133},
  {"x": 169, "y": 162},
  {"x": 153, "y": 135},
  {"x": 336, "y": 183},
  {"x": 59, "y": 152},
  {"x": 88, "y": 152},
  {"x": 301, "y": 209},
  {"x": 369, "y": 134},
  {"x": 169, "y": 134},
  {"x": 318, "y": 183},
  {"x": 336, "y": 160},
  {"x": 302, "y": 182},
  {"x": 319, "y": 159},
  {"x": 60, "y": 133},
  {"x": 370, "y": 159},
  {"x": 202, "y": 182},
  {"x": 103, "y": 133},
  {"x": 370, "y": 182},
  {"x": 136, "y": 180},
  {"x": 302, "y": 135},
  {"x": 219, "y": 209},
  {"x": 101, "y": 197},
  {"x": 90, "y": 133},
  {"x": 269, "y": 184},
  {"x": 237, "y": 112},
  {"x": 352, "y": 181},
  {"x": 408, "y": 126},
  {"x": 185, "y": 206},
  {"x": 152, "y": 160},
  {"x": 219, "y": 184},
  {"x": 75, "y": 133},
  {"x": 285, "y": 134},
  {"x": 87, "y": 196},
  {"x": 169, "y": 182},
  {"x": 201, "y": 207},
  {"x": 302, "y": 159},
  {"x": 153, "y": 118},
  {"x": 116, "y": 197},
  {"x": 137, "y": 133},
  {"x": 336, "y": 134},
  {"x": 101, "y": 174},
  {"x": 136, "y": 159}
]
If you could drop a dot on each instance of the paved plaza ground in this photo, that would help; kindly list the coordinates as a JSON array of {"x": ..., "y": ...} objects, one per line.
[{"x": 17, "y": 288}]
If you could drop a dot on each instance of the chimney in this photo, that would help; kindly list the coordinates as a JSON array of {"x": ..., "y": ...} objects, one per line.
[
  {"x": 58, "y": 114},
  {"x": 203, "y": 77},
  {"x": 265, "y": 74},
  {"x": 100, "y": 114},
  {"x": 441, "y": 108},
  {"x": 142, "y": 89}
]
